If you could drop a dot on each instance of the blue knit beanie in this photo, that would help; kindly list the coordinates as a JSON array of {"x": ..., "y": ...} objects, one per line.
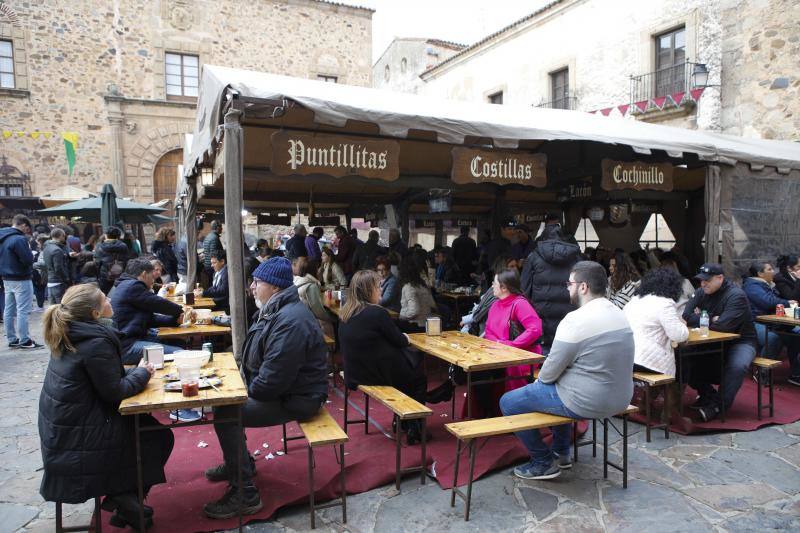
[{"x": 275, "y": 271}]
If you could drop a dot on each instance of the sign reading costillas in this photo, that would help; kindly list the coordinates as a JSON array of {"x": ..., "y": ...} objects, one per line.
[
  {"x": 501, "y": 167},
  {"x": 309, "y": 153},
  {"x": 636, "y": 175}
]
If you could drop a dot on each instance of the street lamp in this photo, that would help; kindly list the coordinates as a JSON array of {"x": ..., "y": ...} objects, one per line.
[
  {"x": 699, "y": 75},
  {"x": 207, "y": 177}
]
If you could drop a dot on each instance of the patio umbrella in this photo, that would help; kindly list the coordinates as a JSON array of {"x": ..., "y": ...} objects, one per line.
[
  {"x": 109, "y": 214},
  {"x": 89, "y": 210}
]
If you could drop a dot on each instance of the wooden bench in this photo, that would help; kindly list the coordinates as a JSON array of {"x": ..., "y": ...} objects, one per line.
[
  {"x": 471, "y": 430},
  {"x": 654, "y": 380},
  {"x": 763, "y": 364},
  {"x": 323, "y": 430},
  {"x": 97, "y": 527},
  {"x": 403, "y": 407}
]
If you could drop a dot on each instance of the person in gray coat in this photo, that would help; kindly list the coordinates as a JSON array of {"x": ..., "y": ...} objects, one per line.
[{"x": 56, "y": 261}]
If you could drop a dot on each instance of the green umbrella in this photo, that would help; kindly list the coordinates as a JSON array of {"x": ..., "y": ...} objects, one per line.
[
  {"x": 89, "y": 210},
  {"x": 109, "y": 214}
]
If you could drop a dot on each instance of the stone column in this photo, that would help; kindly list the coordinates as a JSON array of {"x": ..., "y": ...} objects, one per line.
[{"x": 116, "y": 120}]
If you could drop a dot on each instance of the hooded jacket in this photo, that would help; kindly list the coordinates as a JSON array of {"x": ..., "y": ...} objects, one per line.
[
  {"x": 87, "y": 447},
  {"x": 366, "y": 254},
  {"x": 16, "y": 258},
  {"x": 220, "y": 292},
  {"x": 166, "y": 254},
  {"x": 56, "y": 261},
  {"x": 284, "y": 353},
  {"x": 544, "y": 278},
  {"x": 107, "y": 252},
  {"x": 763, "y": 297},
  {"x": 730, "y": 304},
  {"x": 308, "y": 290},
  {"x": 137, "y": 308}
]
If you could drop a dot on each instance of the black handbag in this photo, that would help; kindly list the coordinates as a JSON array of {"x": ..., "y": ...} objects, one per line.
[{"x": 515, "y": 328}]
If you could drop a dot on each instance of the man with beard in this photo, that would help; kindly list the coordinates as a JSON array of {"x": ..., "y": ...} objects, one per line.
[
  {"x": 284, "y": 367},
  {"x": 587, "y": 374}
]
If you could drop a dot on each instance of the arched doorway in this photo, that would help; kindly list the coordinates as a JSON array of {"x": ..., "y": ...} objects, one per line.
[{"x": 165, "y": 178}]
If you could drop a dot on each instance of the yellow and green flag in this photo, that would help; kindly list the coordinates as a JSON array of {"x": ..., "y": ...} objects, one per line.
[{"x": 71, "y": 146}]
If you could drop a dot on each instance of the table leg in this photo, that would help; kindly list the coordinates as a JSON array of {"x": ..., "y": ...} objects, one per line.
[
  {"x": 722, "y": 379},
  {"x": 139, "y": 480},
  {"x": 681, "y": 384},
  {"x": 469, "y": 395},
  {"x": 239, "y": 452}
]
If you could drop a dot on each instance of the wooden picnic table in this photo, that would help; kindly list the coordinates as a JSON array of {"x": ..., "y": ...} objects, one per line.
[
  {"x": 199, "y": 303},
  {"x": 335, "y": 308},
  {"x": 231, "y": 391},
  {"x": 697, "y": 345},
  {"x": 205, "y": 330},
  {"x": 775, "y": 320},
  {"x": 459, "y": 299},
  {"x": 473, "y": 354}
]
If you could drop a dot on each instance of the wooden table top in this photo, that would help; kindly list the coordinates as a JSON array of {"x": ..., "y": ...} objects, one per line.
[
  {"x": 775, "y": 319},
  {"x": 458, "y": 295},
  {"x": 206, "y": 330},
  {"x": 155, "y": 398},
  {"x": 199, "y": 303},
  {"x": 335, "y": 308},
  {"x": 472, "y": 353},
  {"x": 713, "y": 336}
]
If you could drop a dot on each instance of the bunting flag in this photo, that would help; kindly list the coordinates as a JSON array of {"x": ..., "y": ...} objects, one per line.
[
  {"x": 696, "y": 93},
  {"x": 7, "y": 134},
  {"x": 642, "y": 105},
  {"x": 71, "y": 147},
  {"x": 623, "y": 108},
  {"x": 677, "y": 98},
  {"x": 592, "y": 112},
  {"x": 606, "y": 111},
  {"x": 659, "y": 102}
]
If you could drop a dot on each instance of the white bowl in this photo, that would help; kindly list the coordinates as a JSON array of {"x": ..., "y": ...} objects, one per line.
[{"x": 196, "y": 358}]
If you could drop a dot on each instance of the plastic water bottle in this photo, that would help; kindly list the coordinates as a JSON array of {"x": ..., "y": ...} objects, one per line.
[{"x": 704, "y": 324}]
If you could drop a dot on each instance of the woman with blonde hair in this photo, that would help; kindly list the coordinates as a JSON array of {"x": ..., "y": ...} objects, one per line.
[
  {"x": 88, "y": 448},
  {"x": 374, "y": 348}
]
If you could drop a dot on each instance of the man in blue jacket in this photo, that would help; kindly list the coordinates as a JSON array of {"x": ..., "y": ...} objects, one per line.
[
  {"x": 284, "y": 366},
  {"x": 219, "y": 283},
  {"x": 16, "y": 269}
]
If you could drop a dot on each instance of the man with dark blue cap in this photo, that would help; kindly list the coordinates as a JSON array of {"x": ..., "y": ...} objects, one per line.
[
  {"x": 728, "y": 311},
  {"x": 284, "y": 366}
]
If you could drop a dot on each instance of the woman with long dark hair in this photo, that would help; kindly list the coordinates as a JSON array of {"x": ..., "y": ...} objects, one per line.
[
  {"x": 330, "y": 274},
  {"x": 623, "y": 280},
  {"x": 162, "y": 248},
  {"x": 787, "y": 280},
  {"x": 88, "y": 448},
  {"x": 416, "y": 299}
]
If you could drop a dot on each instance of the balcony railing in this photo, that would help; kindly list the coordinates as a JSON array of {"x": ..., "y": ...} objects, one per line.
[
  {"x": 662, "y": 82},
  {"x": 568, "y": 102}
]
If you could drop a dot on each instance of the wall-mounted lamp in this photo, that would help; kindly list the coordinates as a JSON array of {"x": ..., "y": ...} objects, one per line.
[
  {"x": 207, "y": 177},
  {"x": 699, "y": 75}
]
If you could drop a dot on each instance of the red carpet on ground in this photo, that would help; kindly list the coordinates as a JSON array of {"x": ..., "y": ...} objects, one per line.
[{"x": 283, "y": 480}]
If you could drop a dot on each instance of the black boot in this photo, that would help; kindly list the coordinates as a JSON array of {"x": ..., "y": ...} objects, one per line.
[
  {"x": 442, "y": 393},
  {"x": 127, "y": 511}
]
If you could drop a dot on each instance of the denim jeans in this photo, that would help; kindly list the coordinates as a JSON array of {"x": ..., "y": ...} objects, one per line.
[
  {"x": 56, "y": 292},
  {"x": 542, "y": 398},
  {"x": 136, "y": 351},
  {"x": 18, "y": 304},
  {"x": 777, "y": 341},
  {"x": 739, "y": 357}
]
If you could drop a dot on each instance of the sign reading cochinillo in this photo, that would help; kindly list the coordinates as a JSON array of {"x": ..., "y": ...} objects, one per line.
[
  {"x": 335, "y": 155},
  {"x": 636, "y": 175},
  {"x": 500, "y": 167}
]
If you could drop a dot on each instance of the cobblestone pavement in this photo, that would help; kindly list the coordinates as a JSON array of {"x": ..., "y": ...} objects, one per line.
[{"x": 723, "y": 482}]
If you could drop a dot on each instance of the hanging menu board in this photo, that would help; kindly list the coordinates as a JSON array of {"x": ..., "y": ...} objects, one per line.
[
  {"x": 500, "y": 167},
  {"x": 334, "y": 155},
  {"x": 638, "y": 176}
]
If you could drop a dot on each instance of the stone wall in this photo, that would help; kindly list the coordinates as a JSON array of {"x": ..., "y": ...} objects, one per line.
[
  {"x": 97, "y": 68},
  {"x": 402, "y": 62}
]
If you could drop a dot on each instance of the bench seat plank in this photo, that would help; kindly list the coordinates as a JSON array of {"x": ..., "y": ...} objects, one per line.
[
  {"x": 400, "y": 404},
  {"x": 653, "y": 379},
  {"x": 763, "y": 362},
  {"x": 322, "y": 430},
  {"x": 501, "y": 425}
]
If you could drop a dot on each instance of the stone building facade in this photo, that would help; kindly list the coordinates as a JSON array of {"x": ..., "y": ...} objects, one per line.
[
  {"x": 592, "y": 55},
  {"x": 405, "y": 58},
  {"x": 122, "y": 75}
]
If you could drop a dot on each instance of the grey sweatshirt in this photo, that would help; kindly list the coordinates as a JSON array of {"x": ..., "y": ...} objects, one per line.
[{"x": 591, "y": 360}]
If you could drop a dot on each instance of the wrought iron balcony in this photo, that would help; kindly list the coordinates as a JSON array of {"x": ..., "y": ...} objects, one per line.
[
  {"x": 662, "y": 82},
  {"x": 567, "y": 102}
]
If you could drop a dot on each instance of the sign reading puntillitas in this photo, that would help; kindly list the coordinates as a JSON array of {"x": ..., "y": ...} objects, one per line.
[
  {"x": 334, "y": 155},
  {"x": 636, "y": 175},
  {"x": 500, "y": 167}
]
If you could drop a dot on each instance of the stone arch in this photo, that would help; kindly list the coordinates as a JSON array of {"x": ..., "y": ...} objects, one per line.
[
  {"x": 7, "y": 14},
  {"x": 147, "y": 151}
]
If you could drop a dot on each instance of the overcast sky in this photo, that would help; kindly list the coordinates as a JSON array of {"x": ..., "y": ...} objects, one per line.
[{"x": 461, "y": 21}]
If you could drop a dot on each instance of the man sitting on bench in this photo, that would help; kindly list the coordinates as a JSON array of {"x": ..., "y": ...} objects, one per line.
[
  {"x": 285, "y": 368},
  {"x": 588, "y": 373}
]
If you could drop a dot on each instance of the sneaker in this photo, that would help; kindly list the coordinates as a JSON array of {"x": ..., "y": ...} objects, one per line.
[
  {"x": 14, "y": 344},
  {"x": 794, "y": 380},
  {"x": 532, "y": 471},
  {"x": 185, "y": 415},
  {"x": 708, "y": 413},
  {"x": 564, "y": 462},
  {"x": 229, "y": 505},
  {"x": 29, "y": 344}
]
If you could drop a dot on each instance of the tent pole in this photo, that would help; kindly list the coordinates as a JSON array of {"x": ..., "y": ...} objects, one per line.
[
  {"x": 190, "y": 227},
  {"x": 233, "y": 146}
]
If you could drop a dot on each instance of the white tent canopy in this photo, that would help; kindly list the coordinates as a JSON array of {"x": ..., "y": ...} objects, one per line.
[{"x": 396, "y": 113}]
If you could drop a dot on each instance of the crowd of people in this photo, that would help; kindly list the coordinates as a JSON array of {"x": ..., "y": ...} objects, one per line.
[{"x": 595, "y": 314}]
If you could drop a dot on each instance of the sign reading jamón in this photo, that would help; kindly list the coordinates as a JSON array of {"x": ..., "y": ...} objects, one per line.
[
  {"x": 636, "y": 175},
  {"x": 309, "y": 153},
  {"x": 501, "y": 167}
]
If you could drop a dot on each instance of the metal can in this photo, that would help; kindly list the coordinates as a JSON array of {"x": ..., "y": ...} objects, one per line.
[
  {"x": 779, "y": 310},
  {"x": 207, "y": 346},
  {"x": 797, "y": 313}
]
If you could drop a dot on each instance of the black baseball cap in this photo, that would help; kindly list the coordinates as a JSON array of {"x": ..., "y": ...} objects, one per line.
[{"x": 708, "y": 271}]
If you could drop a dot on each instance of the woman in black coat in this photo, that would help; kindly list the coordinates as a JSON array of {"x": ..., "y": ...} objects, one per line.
[
  {"x": 787, "y": 280},
  {"x": 88, "y": 448},
  {"x": 374, "y": 347},
  {"x": 164, "y": 252}
]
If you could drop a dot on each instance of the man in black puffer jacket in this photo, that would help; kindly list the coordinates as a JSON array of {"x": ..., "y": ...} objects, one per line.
[
  {"x": 285, "y": 369},
  {"x": 56, "y": 260},
  {"x": 544, "y": 279},
  {"x": 111, "y": 256}
]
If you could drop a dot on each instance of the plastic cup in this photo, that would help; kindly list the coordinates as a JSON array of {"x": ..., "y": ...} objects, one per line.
[{"x": 190, "y": 380}]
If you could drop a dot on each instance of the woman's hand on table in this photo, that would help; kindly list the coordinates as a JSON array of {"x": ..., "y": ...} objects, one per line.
[{"x": 147, "y": 366}]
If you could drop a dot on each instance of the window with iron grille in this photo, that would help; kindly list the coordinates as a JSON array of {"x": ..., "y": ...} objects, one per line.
[
  {"x": 327, "y": 79},
  {"x": 496, "y": 98},
  {"x": 670, "y": 62},
  {"x": 183, "y": 72},
  {"x": 559, "y": 85},
  {"x": 6, "y": 65}
]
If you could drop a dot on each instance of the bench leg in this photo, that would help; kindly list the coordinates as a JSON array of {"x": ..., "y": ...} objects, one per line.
[
  {"x": 346, "y": 406},
  {"x": 624, "y": 451},
  {"x": 647, "y": 411},
  {"x": 758, "y": 393},
  {"x": 366, "y": 416},
  {"x": 666, "y": 414},
  {"x": 343, "y": 484},
  {"x": 424, "y": 461},
  {"x": 455, "y": 474},
  {"x": 453, "y": 404},
  {"x": 60, "y": 525},
  {"x": 771, "y": 398},
  {"x": 575, "y": 441},
  {"x": 285, "y": 445},
  {"x": 605, "y": 448},
  {"x": 311, "y": 485},
  {"x": 397, "y": 447},
  {"x": 594, "y": 436},
  {"x": 472, "y": 454}
]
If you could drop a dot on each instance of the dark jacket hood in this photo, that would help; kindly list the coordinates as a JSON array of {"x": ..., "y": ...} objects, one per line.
[
  {"x": 558, "y": 252},
  {"x": 284, "y": 297},
  {"x": 126, "y": 277},
  {"x": 5, "y": 233},
  {"x": 83, "y": 331}
]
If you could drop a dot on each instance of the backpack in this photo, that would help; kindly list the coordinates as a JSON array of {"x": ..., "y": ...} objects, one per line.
[{"x": 116, "y": 269}]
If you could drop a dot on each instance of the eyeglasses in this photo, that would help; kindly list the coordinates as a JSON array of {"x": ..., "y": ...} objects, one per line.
[{"x": 568, "y": 283}]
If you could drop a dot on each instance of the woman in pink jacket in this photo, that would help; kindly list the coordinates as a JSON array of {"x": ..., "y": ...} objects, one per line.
[{"x": 513, "y": 309}]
